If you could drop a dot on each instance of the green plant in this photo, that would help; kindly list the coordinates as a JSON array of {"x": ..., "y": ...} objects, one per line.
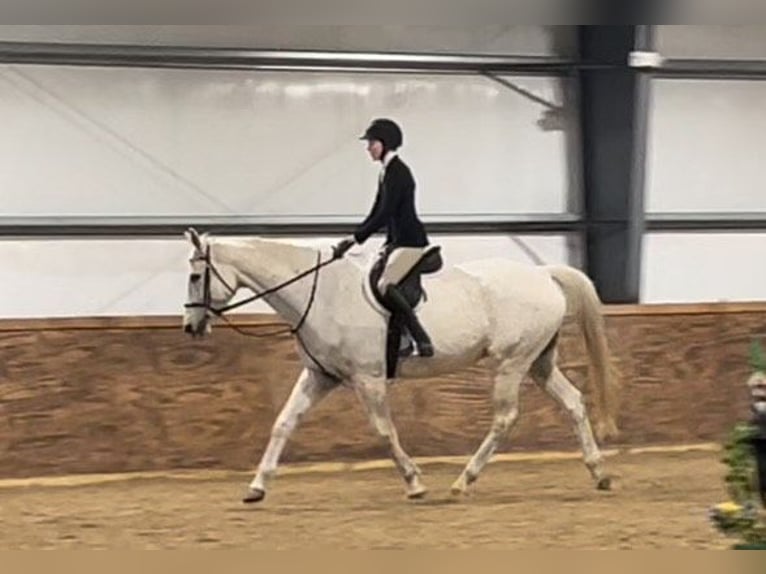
[
  {"x": 738, "y": 457},
  {"x": 757, "y": 357},
  {"x": 740, "y": 516}
]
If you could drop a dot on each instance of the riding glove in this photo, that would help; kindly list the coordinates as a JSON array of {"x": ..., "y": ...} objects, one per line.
[{"x": 344, "y": 245}]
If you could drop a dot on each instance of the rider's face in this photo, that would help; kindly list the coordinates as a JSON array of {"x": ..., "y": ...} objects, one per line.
[{"x": 375, "y": 149}]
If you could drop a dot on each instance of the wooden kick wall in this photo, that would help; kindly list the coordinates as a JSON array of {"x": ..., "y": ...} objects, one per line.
[{"x": 106, "y": 395}]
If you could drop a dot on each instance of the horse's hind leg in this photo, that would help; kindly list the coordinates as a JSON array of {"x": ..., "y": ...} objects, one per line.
[
  {"x": 507, "y": 381},
  {"x": 549, "y": 377}
]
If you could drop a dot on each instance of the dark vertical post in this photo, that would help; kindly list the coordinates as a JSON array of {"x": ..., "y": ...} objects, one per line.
[{"x": 613, "y": 112}]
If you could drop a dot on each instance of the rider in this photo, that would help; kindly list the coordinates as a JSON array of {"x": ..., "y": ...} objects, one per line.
[{"x": 394, "y": 208}]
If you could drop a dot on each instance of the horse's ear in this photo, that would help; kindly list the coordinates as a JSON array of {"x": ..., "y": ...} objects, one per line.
[{"x": 192, "y": 235}]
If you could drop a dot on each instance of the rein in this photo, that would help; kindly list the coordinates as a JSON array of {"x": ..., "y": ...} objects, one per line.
[{"x": 219, "y": 312}]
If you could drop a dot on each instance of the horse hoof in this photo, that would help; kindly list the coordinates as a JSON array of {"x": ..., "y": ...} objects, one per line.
[
  {"x": 459, "y": 489},
  {"x": 419, "y": 494},
  {"x": 462, "y": 484},
  {"x": 254, "y": 495},
  {"x": 604, "y": 484}
]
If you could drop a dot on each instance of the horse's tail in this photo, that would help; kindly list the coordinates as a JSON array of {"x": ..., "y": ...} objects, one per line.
[{"x": 583, "y": 302}]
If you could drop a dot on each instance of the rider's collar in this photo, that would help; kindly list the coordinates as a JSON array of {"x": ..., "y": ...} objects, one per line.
[{"x": 389, "y": 156}]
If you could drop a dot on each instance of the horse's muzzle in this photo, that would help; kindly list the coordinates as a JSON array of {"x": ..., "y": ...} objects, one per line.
[{"x": 199, "y": 331}]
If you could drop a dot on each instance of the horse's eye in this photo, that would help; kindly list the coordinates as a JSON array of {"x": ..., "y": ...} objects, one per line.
[{"x": 194, "y": 277}]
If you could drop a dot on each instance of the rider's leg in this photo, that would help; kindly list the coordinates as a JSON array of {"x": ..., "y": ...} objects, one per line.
[
  {"x": 400, "y": 263},
  {"x": 399, "y": 302}
]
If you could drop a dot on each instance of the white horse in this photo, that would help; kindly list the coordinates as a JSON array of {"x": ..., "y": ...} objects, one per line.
[{"x": 505, "y": 314}]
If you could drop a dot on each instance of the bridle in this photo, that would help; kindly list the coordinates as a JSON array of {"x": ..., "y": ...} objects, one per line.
[{"x": 207, "y": 304}]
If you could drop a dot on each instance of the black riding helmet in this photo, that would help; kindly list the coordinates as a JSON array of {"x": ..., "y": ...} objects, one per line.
[{"x": 386, "y": 131}]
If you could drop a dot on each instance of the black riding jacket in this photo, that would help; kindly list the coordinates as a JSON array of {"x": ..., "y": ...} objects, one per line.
[{"x": 394, "y": 208}]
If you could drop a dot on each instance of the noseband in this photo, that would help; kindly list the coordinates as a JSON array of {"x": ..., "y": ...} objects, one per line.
[{"x": 206, "y": 302}]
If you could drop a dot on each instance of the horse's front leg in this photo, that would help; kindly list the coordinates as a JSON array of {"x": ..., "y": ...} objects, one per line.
[
  {"x": 372, "y": 393},
  {"x": 309, "y": 389}
]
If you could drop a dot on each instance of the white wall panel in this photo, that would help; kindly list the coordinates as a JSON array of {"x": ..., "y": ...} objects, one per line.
[
  {"x": 91, "y": 141},
  {"x": 705, "y": 149},
  {"x": 70, "y": 278},
  {"x": 690, "y": 268},
  {"x": 737, "y": 42}
]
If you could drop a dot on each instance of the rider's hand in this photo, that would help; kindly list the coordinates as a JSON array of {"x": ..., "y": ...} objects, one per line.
[{"x": 339, "y": 250}]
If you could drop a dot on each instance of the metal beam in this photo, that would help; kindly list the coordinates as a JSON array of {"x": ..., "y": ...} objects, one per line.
[
  {"x": 29, "y": 227},
  {"x": 719, "y": 222},
  {"x": 613, "y": 112},
  {"x": 712, "y": 69},
  {"x": 246, "y": 59},
  {"x": 706, "y": 222}
]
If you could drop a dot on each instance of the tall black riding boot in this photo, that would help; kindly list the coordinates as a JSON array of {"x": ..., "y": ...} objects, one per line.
[{"x": 423, "y": 342}]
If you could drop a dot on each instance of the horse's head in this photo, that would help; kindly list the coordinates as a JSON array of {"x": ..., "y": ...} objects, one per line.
[{"x": 211, "y": 285}]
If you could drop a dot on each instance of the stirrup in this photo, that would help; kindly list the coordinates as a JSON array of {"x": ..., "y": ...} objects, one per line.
[
  {"x": 406, "y": 350},
  {"x": 410, "y": 348},
  {"x": 430, "y": 352},
  {"x": 413, "y": 348}
]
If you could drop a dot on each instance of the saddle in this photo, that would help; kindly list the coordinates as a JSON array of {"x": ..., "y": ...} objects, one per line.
[{"x": 412, "y": 289}]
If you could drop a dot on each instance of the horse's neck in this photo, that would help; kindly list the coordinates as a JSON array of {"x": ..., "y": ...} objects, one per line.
[{"x": 263, "y": 264}]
